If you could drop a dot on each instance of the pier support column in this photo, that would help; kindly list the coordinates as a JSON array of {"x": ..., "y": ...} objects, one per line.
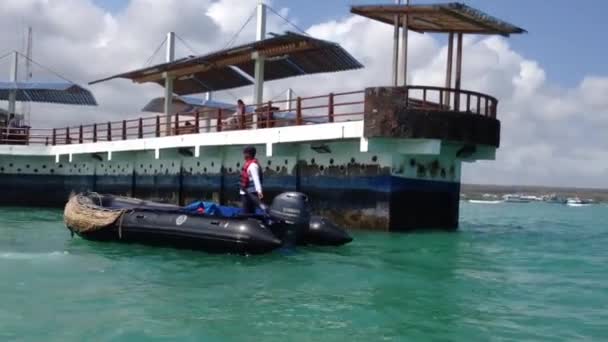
[
  {"x": 169, "y": 83},
  {"x": 12, "y": 94},
  {"x": 258, "y": 95},
  {"x": 395, "y": 70},
  {"x": 448, "y": 71},
  {"x": 404, "y": 44}
]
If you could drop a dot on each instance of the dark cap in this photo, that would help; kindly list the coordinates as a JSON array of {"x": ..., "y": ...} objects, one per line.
[{"x": 250, "y": 150}]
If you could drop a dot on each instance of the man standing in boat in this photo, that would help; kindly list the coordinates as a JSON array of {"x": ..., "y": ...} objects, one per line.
[{"x": 251, "y": 182}]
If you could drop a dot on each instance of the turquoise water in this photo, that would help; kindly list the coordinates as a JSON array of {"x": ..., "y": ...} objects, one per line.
[{"x": 513, "y": 272}]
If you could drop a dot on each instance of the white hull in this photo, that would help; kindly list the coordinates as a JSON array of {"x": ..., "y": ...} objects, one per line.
[
  {"x": 578, "y": 204},
  {"x": 484, "y": 202}
]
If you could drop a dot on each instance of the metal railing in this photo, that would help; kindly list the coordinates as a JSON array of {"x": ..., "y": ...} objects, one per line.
[
  {"x": 332, "y": 107},
  {"x": 451, "y": 100}
]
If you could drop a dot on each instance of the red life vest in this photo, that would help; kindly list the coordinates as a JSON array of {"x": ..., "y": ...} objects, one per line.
[{"x": 245, "y": 176}]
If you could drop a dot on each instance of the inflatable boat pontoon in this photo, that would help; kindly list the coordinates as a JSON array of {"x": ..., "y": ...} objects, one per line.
[{"x": 287, "y": 223}]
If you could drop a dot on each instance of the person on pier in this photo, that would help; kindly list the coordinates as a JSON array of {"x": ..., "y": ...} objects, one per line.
[
  {"x": 241, "y": 110},
  {"x": 251, "y": 182},
  {"x": 13, "y": 122}
]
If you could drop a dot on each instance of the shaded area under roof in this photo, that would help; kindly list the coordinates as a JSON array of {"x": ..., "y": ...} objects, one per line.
[
  {"x": 447, "y": 17},
  {"x": 50, "y": 92},
  {"x": 287, "y": 55},
  {"x": 208, "y": 109},
  {"x": 209, "y": 80},
  {"x": 184, "y": 104}
]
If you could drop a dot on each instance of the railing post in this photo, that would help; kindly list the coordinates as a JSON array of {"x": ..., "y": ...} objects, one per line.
[
  {"x": 486, "y": 112},
  {"x": 299, "y": 111},
  {"x": 219, "y": 120},
  {"x": 494, "y": 108},
  {"x": 54, "y": 140},
  {"x": 95, "y": 133},
  {"x": 478, "y": 104},
  {"x": 140, "y": 128},
  {"x": 176, "y": 123},
  {"x": 268, "y": 111},
  {"x": 242, "y": 118},
  {"x": 468, "y": 102},
  {"x": 46, "y": 141},
  {"x": 80, "y": 134},
  {"x": 124, "y": 129},
  {"x": 330, "y": 108},
  {"x": 109, "y": 131},
  {"x": 457, "y": 100},
  {"x": 424, "y": 97},
  {"x": 197, "y": 126},
  {"x": 407, "y": 96},
  {"x": 158, "y": 126},
  {"x": 67, "y": 136}
]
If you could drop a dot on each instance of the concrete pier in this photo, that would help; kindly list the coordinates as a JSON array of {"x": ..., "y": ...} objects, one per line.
[{"x": 363, "y": 174}]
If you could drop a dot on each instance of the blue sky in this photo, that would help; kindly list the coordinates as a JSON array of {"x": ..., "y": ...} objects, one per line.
[{"x": 565, "y": 36}]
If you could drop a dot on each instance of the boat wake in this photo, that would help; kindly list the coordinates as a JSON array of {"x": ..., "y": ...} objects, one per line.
[{"x": 31, "y": 256}]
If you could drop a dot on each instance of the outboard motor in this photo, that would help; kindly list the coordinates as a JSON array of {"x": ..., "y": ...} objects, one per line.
[{"x": 291, "y": 214}]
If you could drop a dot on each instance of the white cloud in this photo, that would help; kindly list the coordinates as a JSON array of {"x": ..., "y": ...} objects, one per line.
[{"x": 550, "y": 134}]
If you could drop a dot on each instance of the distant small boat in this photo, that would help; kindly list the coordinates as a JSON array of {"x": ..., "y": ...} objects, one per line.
[
  {"x": 515, "y": 199},
  {"x": 577, "y": 202},
  {"x": 555, "y": 199},
  {"x": 485, "y": 202}
]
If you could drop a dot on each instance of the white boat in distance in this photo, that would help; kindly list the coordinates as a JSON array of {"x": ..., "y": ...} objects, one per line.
[
  {"x": 515, "y": 199},
  {"x": 485, "y": 202},
  {"x": 577, "y": 202}
]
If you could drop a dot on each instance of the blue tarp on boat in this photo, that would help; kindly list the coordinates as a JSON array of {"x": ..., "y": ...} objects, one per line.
[{"x": 212, "y": 209}]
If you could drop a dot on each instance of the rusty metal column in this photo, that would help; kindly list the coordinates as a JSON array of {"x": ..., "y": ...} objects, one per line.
[
  {"x": 458, "y": 71},
  {"x": 404, "y": 38},
  {"x": 448, "y": 72},
  {"x": 396, "y": 49}
]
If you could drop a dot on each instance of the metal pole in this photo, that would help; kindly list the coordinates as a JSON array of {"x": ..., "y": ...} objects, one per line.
[
  {"x": 208, "y": 97},
  {"x": 12, "y": 94},
  {"x": 396, "y": 49},
  {"x": 448, "y": 73},
  {"x": 169, "y": 82},
  {"x": 404, "y": 46},
  {"x": 458, "y": 71},
  {"x": 25, "y": 106},
  {"x": 289, "y": 99},
  {"x": 258, "y": 92}
]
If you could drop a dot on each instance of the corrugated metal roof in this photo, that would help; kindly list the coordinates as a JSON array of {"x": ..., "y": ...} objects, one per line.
[
  {"x": 287, "y": 55},
  {"x": 51, "y": 92},
  {"x": 447, "y": 17}
]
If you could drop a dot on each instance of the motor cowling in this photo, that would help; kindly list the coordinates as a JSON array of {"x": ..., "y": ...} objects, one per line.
[{"x": 291, "y": 213}]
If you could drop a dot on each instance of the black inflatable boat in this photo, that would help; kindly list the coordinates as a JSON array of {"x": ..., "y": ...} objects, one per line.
[{"x": 285, "y": 224}]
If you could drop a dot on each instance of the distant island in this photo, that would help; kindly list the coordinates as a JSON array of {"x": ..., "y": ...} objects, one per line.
[{"x": 479, "y": 191}]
